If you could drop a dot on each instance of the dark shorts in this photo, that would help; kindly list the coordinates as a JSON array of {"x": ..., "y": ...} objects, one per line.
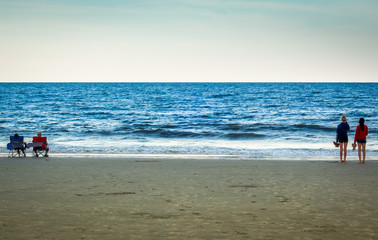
[
  {"x": 361, "y": 140},
  {"x": 343, "y": 139}
]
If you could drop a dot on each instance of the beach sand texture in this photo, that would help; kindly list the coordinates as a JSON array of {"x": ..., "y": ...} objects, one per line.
[{"x": 116, "y": 198}]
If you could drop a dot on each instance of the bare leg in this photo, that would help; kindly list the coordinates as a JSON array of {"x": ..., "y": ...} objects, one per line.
[
  {"x": 359, "y": 151},
  {"x": 364, "y": 151},
  {"x": 345, "y": 151},
  {"x": 35, "y": 151},
  {"x": 341, "y": 152}
]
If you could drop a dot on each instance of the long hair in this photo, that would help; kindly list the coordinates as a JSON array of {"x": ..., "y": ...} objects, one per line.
[{"x": 362, "y": 124}]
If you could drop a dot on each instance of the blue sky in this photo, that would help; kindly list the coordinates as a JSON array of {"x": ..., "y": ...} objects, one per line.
[{"x": 189, "y": 40}]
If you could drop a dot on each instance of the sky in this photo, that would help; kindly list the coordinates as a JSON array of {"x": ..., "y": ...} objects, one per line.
[{"x": 188, "y": 41}]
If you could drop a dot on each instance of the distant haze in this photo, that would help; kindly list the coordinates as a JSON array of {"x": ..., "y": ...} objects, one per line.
[{"x": 189, "y": 41}]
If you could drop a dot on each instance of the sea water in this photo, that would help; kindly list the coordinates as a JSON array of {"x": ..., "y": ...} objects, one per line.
[{"x": 249, "y": 120}]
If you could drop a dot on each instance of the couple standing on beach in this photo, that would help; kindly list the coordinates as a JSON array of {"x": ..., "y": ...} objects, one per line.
[{"x": 359, "y": 137}]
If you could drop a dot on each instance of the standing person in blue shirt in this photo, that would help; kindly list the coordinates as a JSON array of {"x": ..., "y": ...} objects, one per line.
[{"x": 342, "y": 137}]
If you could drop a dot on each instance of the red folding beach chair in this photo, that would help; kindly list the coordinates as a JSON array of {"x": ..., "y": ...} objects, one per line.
[{"x": 40, "y": 146}]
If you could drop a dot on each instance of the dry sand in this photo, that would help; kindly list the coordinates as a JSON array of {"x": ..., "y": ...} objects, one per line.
[{"x": 114, "y": 198}]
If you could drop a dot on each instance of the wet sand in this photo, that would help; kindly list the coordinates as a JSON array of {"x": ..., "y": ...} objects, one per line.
[{"x": 116, "y": 198}]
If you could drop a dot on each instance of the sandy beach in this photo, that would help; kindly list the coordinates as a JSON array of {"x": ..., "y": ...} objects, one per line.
[{"x": 137, "y": 198}]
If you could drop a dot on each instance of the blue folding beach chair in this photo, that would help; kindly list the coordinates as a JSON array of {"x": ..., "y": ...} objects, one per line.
[{"x": 16, "y": 146}]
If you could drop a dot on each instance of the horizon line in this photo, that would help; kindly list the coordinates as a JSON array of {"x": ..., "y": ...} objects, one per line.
[{"x": 187, "y": 82}]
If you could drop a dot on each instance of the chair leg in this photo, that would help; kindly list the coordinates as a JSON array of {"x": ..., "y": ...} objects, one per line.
[
  {"x": 12, "y": 153},
  {"x": 41, "y": 152}
]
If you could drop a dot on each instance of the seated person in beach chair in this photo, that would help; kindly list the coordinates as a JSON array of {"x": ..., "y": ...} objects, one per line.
[
  {"x": 16, "y": 145},
  {"x": 40, "y": 145}
]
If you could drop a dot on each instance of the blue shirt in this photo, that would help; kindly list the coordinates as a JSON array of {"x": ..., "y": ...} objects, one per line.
[{"x": 342, "y": 131}]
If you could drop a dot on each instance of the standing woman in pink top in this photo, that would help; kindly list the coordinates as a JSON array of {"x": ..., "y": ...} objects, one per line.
[{"x": 360, "y": 137}]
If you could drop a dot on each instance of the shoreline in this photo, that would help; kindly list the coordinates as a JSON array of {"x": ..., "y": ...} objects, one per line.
[
  {"x": 147, "y": 198},
  {"x": 230, "y": 157}
]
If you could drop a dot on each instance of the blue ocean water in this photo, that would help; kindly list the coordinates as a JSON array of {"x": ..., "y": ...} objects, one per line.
[{"x": 252, "y": 120}]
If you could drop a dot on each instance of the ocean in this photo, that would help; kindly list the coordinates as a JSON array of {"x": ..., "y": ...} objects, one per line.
[{"x": 235, "y": 120}]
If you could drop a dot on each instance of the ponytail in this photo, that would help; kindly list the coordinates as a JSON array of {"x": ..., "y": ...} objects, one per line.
[{"x": 362, "y": 124}]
